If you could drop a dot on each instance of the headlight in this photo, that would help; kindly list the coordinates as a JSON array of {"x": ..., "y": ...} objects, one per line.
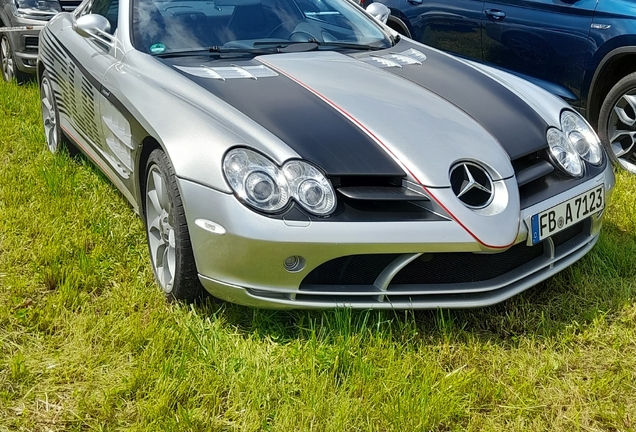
[
  {"x": 563, "y": 152},
  {"x": 310, "y": 187},
  {"x": 582, "y": 137},
  {"x": 261, "y": 184},
  {"x": 256, "y": 180}
]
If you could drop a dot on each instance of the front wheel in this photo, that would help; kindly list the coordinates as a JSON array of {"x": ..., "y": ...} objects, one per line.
[
  {"x": 617, "y": 123},
  {"x": 50, "y": 115},
  {"x": 169, "y": 243}
]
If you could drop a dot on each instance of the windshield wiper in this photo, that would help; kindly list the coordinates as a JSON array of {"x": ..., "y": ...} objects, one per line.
[
  {"x": 312, "y": 44},
  {"x": 267, "y": 47},
  {"x": 216, "y": 50},
  {"x": 349, "y": 45}
]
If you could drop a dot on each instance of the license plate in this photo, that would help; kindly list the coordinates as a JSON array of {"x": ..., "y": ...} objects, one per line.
[{"x": 567, "y": 213}]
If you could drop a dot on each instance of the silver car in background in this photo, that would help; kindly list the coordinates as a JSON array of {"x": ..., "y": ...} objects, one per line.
[
  {"x": 20, "y": 24},
  {"x": 299, "y": 154}
]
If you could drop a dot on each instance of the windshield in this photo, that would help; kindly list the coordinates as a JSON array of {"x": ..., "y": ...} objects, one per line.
[{"x": 179, "y": 25}]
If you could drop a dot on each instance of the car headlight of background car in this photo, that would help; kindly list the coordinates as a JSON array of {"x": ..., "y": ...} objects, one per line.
[
  {"x": 573, "y": 143},
  {"x": 36, "y": 9},
  {"x": 261, "y": 184}
]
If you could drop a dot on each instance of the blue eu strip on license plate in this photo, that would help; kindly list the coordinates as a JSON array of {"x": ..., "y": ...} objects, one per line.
[
  {"x": 535, "y": 229},
  {"x": 566, "y": 214}
]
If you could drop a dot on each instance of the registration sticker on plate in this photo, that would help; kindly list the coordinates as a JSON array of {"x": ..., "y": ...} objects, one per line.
[{"x": 567, "y": 213}]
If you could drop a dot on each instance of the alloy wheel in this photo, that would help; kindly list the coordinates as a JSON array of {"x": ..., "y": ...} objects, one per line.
[
  {"x": 160, "y": 226},
  {"x": 6, "y": 59},
  {"x": 622, "y": 131},
  {"x": 49, "y": 117}
]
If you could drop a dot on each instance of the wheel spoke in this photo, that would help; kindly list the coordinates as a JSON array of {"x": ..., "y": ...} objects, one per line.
[
  {"x": 154, "y": 226},
  {"x": 167, "y": 270},
  {"x": 623, "y": 116},
  {"x": 171, "y": 239},
  {"x": 160, "y": 261},
  {"x": 161, "y": 191},
  {"x": 47, "y": 104},
  {"x": 161, "y": 276},
  {"x": 46, "y": 111},
  {"x": 52, "y": 139},
  {"x": 155, "y": 201},
  {"x": 631, "y": 100},
  {"x": 617, "y": 142}
]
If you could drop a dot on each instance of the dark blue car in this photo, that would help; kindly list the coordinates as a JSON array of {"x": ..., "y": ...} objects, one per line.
[{"x": 581, "y": 50}]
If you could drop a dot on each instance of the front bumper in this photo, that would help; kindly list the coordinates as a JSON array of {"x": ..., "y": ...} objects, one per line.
[
  {"x": 245, "y": 264},
  {"x": 24, "y": 38}
]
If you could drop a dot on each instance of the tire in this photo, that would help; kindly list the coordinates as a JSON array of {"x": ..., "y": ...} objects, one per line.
[
  {"x": 50, "y": 115},
  {"x": 8, "y": 63},
  {"x": 617, "y": 123},
  {"x": 167, "y": 233}
]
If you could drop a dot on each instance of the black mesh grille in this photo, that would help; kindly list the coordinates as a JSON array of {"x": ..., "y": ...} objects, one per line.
[
  {"x": 349, "y": 270},
  {"x": 449, "y": 268},
  {"x": 438, "y": 268}
]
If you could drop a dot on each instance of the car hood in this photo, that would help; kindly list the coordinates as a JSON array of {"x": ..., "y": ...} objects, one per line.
[{"x": 408, "y": 111}]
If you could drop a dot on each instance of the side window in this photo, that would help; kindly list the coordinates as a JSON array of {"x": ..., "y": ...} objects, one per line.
[{"x": 108, "y": 9}]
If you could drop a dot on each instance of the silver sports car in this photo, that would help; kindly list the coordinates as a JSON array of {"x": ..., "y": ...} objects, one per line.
[{"x": 298, "y": 154}]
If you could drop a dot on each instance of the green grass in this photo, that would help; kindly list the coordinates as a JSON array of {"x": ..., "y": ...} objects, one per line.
[{"x": 87, "y": 341}]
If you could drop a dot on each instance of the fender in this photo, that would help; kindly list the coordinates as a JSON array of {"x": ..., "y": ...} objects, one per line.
[{"x": 610, "y": 56}]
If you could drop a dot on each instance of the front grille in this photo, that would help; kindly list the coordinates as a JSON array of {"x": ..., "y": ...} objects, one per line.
[
  {"x": 461, "y": 267},
  {"x": 31, "y": 44},
  {"x": 436, "y": 280},
  {"x": 429, "y": 269},
  {"x": 568, "y": 234},
  {"x": 69, "y": 5},
  {"x": 350, "y": 270}
]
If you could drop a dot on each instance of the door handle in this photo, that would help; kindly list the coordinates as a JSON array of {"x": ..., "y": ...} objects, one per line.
[
  {"x": 416, "y": 2},
  {"x": 495, "y": 14}
]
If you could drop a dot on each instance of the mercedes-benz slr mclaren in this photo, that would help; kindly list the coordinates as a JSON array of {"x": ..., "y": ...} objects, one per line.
[{"x": 299, "y": 154}]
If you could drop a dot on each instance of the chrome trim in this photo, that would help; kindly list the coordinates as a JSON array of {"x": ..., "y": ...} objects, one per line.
[{"x": 386, "y": 276}]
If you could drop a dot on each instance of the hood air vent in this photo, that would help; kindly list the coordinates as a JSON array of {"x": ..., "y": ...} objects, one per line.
[
  {"x": 405, "y": 58},
  {"x": 229, "y": 72}
]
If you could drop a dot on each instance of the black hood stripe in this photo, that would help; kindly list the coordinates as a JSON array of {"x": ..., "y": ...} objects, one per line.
[
  {"x": 509, "y": 119},
  {"x": 307, "y": 124}
]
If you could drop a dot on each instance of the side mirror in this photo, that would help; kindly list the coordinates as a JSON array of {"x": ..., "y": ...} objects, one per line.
[
  {"x": 379, "y": 12},
  {"x": 94, "y": 26}
]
